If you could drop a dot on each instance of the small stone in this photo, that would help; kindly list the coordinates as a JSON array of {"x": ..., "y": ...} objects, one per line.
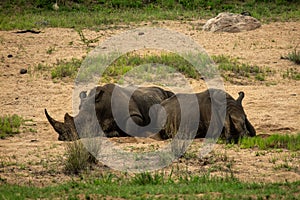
[
  {"x": 23, "y": 71},
  {"x": 141, "y": 33},
  {"x": 9, "y": 56}
]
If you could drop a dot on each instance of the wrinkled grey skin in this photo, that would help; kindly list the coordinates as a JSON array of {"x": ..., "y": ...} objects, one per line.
[
  {"x": 99, "y": 102},
  {"x": 234, "y": 126}
]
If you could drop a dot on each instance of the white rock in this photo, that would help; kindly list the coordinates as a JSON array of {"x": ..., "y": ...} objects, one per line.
[{"x": 232, "y": 23}]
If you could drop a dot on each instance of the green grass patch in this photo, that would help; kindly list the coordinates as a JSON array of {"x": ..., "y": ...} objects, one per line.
[
  {"x": 127, "y": 62},
  {"x": 64, "y": 69},
  {"x": 276, "y": 141},
  {"x": 292, "y": 73},
  {"x": 155, "y": 186},
  {"x": 159, "y": 66},
  {"x": 20, "y": 14},
  {"x": 141, "y": 67},
  {"x": 232, "y": 69},
  {"x": 57, "y": 71},
  {"x": 10, "y": 125}
]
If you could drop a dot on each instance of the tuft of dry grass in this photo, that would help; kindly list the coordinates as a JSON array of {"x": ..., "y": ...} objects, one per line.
[{"x": 78, "y": 158}]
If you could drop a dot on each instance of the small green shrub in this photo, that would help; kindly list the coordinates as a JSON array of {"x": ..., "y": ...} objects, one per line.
[
  {"x": 50, "y": 50},
  {"x": 86, "y": 41},
  {"x": 146, "y": 178},
  {"x": 260, "y": 77},
  {"x": 292, "y": 73},
  {"x": 9, "y": 125},
  {"x": 294, "y": 56},
  {"x": 78, "y": 158},
  {"x": 66, "y": 69}
]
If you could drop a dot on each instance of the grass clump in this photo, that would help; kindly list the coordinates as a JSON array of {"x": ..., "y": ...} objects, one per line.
[
  {"x": 292, "y": 73},
  {"x": 64, "y": 69},
  {"x": 149, "y": 65},
  {"x": 147, "y": 178},
  {"x": 9, "y": 125},
  {"x": 78, "y": 158},
  {"x": 231, "y": 68},
  {"x": 290, "y": 142},
  {"x": 294, "y": 56}
]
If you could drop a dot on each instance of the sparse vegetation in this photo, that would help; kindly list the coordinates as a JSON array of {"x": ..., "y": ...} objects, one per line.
[
  {"x": 147, "y": 178},
  {"x": 292, "y": 73},
  {"x": 127, "y": 62},
  {"x": 153, "y": 186},
  {"x": 109, "y": 14},
  {"x": 155, "y": 65},
  {"x": 294, "y": 56},
  {"x": 10, "y": 125},
  {"x": 50, "y": 50},
  {"x": 232, "y": 69},
  {"x": 64, "y": 69},
  {"x": 275, "y": 141},
  {"x": 86, "y": 41},
  {"x": 78, "y": 158},
  {"x": 145, "y": 67},
  {"x": 59, "y": 70}
]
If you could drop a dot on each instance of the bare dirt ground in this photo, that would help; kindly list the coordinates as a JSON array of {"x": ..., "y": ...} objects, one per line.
[{"x": 35, "y": 156}]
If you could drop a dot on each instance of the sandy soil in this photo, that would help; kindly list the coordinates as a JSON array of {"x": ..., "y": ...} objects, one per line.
[{"x": 36, "y": 157}]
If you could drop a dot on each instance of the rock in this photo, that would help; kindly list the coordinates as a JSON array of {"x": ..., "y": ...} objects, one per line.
[
  {"x": 23, "y": 71},
  {"x": 9, "y": 56},
  {"x": 55, "y": 6},
  {"x": 232, "y": 23}
]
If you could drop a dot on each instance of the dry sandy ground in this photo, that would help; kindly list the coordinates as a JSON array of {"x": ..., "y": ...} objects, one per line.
[{"x": 36, "y": 157}]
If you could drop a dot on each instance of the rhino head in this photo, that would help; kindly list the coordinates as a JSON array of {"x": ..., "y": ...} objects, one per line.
[
  {"x": 237, "y": 123},
  {"x": 86, "y": 123},
  {"x": 66, "y": 130}
]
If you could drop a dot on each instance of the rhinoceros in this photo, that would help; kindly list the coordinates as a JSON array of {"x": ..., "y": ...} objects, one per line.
[
  {"x": 111, "y": 110},
  {"x": 233, "y": 126}
]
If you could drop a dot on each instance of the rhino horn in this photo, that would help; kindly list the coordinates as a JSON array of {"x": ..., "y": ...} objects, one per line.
[
  {"x": 58, "y": 126},
  {"x": 63, "y": 129},
  {"x": 241, "y": 97}
]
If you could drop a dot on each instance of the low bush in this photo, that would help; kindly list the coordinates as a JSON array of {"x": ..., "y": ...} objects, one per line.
[
  {"x": 294, "y": 56},
  {"x": 9, "y": 125},
  {"x": 64, "y": 69},
  {"x": 78, "y": 158}
]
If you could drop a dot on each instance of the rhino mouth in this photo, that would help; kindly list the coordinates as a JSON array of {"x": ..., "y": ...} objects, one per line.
[{"x": 66, "y": 130}]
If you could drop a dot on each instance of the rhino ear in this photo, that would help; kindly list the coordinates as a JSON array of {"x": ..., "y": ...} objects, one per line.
[
  {"x": 67, "y": 117},
  {"x": 241, "y": 97},
  {"x": 99, "y": 95},
  {"x": 69, "y": 123}
]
